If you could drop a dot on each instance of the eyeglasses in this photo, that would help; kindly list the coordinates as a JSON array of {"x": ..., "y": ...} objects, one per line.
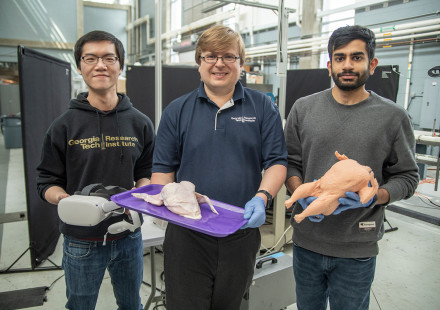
[
  {"x": 93, "y": 60},
  {"x": 213, "y": 59}
]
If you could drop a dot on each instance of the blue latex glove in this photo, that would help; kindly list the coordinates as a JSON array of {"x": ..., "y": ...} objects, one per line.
[
  {"x": 255, "y": 212},
  {"x": 305, "y": 202},
  {"x": 352, "y": 201}
]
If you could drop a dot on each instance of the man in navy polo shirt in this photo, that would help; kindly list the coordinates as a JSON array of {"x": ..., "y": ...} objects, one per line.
[{"x": 220, "y": 137}]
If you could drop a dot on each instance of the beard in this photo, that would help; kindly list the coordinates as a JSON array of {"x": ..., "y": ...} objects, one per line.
[{"x": 348, "y": 86}]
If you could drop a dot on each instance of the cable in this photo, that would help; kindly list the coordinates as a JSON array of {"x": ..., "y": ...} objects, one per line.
[
  {"x": 412, "y": 97},
  {"x": 272, "y": 248},
  {"x": 377, "y": 301},
  {"x": 53, "y": 283},
  {"x": 423, "y": 196},
  {"x": 162, "y": 277},
  {"x": 156, "y": 250},
  {"x": 286, "y": 243},
  {"x": 266, "y": 249},
  {"x": 161, "y": 303},
  {"x": 427, "y": 180},
  {"x": 157, "y": 289}
]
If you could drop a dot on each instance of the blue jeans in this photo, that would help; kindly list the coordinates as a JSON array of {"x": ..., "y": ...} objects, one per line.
[
  {"x": 85, "y": 262},
  {"x": 344, "y": 282}
]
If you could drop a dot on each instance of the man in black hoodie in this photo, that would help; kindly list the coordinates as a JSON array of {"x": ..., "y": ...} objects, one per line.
[{"x": 101, "y": 138}]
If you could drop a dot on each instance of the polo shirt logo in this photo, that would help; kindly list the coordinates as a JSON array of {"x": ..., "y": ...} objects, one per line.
[{"x": 244, "y": 119}]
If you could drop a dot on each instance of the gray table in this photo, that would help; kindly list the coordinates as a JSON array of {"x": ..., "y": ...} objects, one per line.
[{"x": 152, "y": 236}]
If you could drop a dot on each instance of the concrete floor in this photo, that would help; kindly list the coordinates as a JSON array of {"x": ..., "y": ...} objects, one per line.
[{"x": 407, "y": 274}]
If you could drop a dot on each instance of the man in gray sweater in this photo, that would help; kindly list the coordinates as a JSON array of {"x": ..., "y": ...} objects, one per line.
[{"x": 334, "y": 257}]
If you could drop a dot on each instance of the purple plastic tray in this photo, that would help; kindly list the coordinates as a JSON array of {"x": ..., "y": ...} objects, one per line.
[{"x": 228, "y": 221}]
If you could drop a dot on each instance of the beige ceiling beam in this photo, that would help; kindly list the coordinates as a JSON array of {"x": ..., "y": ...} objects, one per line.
[{"x": 37, "y": 44}]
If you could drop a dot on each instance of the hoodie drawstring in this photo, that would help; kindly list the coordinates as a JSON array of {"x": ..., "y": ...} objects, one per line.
[
  {"x": 99, "y": 131},
  {"x": 119, "y": 135},
  {"x": 121, "y": 149}
]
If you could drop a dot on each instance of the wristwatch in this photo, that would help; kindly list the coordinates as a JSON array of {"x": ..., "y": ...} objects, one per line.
[{"x": 269, "y": 197}]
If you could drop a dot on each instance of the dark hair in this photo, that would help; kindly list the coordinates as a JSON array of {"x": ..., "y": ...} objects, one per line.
[
  {"x": 96, "y": 36},
  {"x": 344, "y": 35}
]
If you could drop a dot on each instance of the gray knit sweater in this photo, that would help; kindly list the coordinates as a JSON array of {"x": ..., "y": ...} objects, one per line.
[{"x": 377, "y": 133}]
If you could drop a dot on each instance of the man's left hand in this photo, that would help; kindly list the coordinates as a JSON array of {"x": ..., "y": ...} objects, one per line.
[
  {"x": 352, "y": 201},
  {"x": 255, "y": 212}
]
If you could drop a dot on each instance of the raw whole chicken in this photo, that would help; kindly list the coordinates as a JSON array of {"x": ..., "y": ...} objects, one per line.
[
  {"x": 347, "y": 175},
  {"x": 180, "y": 198}
]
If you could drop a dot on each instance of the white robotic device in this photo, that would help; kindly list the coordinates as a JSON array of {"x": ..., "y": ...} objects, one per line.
[{"x": 90, "y": 209}]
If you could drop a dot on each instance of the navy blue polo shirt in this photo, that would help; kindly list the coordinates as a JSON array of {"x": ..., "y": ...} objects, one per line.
[{"x": 222, "y": 151}]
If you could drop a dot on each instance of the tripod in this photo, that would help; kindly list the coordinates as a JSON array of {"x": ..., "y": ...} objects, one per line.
[{"x": 8, "y": 270}]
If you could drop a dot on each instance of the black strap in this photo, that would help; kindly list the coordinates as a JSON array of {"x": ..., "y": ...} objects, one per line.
[
  {"x": 98, "y": 189},
  {"x": 92, "y": 188},
  {"x": 113, "y": 190}
]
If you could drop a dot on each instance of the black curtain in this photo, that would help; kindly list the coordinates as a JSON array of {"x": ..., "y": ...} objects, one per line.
[
  {"x": 176, "y": 81},
  {"x": 45, "y": 91},
  {"x": 384, "y": 82},
  {"x": 300, "y": 83},
  {"x": 304, "y": 82}
]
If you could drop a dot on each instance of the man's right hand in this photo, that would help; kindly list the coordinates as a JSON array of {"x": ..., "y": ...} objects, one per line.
[
  {"x": 54, "y": 194},
  {"x": 62, "y": 196}
]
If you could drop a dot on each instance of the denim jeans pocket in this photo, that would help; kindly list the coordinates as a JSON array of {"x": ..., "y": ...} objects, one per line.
[
  {"x": 363, "y": 259},
  {"x": 77, "y": 248}
]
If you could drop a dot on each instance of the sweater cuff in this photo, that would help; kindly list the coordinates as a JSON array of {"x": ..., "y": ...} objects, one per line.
[
  {"x": 394, "y": 192},
  {"x": 293, "y": 172}
]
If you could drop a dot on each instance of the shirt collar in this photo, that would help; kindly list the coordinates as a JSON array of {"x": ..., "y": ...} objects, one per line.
[{"x": 238, "y": 92}]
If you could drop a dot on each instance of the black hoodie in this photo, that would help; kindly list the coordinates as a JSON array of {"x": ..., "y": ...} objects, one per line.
[{"x": 85, "y": 146}]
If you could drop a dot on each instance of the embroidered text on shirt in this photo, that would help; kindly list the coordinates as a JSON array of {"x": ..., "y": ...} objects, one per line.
[{"x": 244, "y": 119}]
